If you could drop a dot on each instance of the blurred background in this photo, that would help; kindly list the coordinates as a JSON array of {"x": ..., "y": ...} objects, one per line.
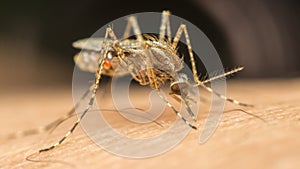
[{"x": 36, "y": 36}]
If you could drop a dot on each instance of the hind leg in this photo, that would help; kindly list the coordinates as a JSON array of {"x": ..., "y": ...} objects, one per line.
[{"x": 183, "y": 29}]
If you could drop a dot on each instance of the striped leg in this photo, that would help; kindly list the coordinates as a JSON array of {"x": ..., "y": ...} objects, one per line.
[
  {"x": 215, "y": 77},
  {"x": 183, "y": 29},
  {"x": 103, "y": 55},
  {"x": 165, "y": 25},
  {"x": 174, "y": 110},
  {"x": 51, "y": 126},
  {"x": 185, "y": 103},
  {"x": 153, "y": 83},
  {"x": 133, "y": 23}
]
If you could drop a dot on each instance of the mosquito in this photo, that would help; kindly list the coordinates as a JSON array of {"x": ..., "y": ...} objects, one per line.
[{"x": 151, "y": 60}]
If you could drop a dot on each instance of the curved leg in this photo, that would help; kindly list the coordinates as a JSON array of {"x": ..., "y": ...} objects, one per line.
[
  {"x": 185, "y": 103},
  {"x": 183, "y": 29},
  {"x": 105, "y": 45},
  {"x": 174, "y": 110},
  {"x": 152, "y": 80},
  {"x": 133, "y": 23},
  {"x": 165, "y": 25}
]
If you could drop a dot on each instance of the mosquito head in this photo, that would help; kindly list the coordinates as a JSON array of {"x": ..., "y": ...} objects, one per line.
[
  {"x": 180, "y": 81},
  {"x": 175, "y": 88},
  {"x": 111, "y": 65},
  {"x": 108, "y": 60}
]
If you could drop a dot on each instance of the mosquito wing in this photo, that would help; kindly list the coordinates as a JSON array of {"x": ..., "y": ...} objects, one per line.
[
  {"x": 87, "y": 61},
  {"x": 93, "y": 44}
]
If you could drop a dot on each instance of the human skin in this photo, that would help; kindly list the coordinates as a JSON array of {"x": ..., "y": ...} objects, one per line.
[{"x": 240, "y": 141}]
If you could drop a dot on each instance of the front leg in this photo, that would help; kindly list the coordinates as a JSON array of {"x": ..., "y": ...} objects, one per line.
[{"x": 94, "y": 88}]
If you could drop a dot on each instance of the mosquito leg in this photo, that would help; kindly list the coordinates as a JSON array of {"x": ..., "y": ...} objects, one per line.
[
  {"x": 51, "y": 126},
  {"x": 154, "y": 84},
  {"x": 91, "y": 102},
  {"x": 165, "y": 25},
  {"x": 174, "y": 110},
  {"x": 103, "y": 55},
  {"x": 185, "y": 103},
  {"x": 133, "y": 23},
  {"x": 71, "y": 112},
  {"x": 183, "y": 29},
  {"x": 223, "y": 75}
]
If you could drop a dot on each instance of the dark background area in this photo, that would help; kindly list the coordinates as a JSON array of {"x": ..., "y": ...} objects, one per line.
[{"x": 36, "y": 36}]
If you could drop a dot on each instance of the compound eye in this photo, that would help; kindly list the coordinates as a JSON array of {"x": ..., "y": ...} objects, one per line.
[
  {"x": 107, "y": 64},
  {"x": 109, "y": 55}
]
